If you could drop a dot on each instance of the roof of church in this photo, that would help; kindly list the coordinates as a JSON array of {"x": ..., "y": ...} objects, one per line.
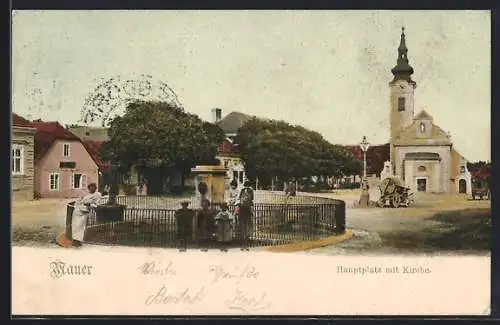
[
  {"x": 403, "y": 70},
  {"x": 408, "y": 135},
  {"x": 423, "y": 115},
  {"x": 233, "y": 121}
]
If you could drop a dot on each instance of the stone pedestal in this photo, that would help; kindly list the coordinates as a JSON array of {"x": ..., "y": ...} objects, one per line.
[{"x": 215, "y": 178}]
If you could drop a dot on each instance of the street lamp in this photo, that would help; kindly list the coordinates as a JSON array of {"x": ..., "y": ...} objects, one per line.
[{"x": 364, "y": 147}]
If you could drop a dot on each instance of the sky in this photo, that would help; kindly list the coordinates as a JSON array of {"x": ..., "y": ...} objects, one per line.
[{"x": 325, "y": 70}]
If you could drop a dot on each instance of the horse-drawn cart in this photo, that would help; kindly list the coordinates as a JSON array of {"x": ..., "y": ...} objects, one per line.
[{"x": 394, "y": 194}]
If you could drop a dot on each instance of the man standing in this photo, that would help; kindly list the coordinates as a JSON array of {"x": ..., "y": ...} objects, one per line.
[
  {"x": 82, "y": 210},
  {"x": 245, "y": 214},
  {"x": 184, "y": 220}
]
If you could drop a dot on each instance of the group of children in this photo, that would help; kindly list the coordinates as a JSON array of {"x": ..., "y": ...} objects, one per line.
[{"x": 219, "y": 225}]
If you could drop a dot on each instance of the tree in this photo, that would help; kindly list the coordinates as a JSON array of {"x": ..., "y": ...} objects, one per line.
[
  {"x": 272, "y": 148},
  {"x": 162, "y": 137},
  {"x": 478, "y": 165}
]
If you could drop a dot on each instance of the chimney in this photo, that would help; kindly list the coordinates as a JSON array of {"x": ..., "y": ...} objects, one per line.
[{"x": 216, "y": 114}]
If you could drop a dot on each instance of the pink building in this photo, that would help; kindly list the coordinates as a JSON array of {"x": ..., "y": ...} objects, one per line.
[{"x": 63, "y": 166}]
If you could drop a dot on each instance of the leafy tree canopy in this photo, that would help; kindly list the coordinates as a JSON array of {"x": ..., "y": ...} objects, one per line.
[
  {"x": 275, "y": 148},
  {"x": 161, "y": 135}
]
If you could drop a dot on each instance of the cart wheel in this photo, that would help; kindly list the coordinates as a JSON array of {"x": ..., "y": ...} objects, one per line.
[{"x": 396, "y": 200}]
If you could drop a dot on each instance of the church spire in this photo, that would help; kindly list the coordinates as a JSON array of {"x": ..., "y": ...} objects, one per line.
[{"x": 402, "y": 70}]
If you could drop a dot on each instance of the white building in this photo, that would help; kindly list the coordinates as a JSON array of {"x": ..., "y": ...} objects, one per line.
[{"x": 422, "y": 154}]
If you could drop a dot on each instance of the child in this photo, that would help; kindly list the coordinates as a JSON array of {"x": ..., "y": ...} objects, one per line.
[
  {"x": 205, "y": 225},
  {"x": 224, "y": 221}
]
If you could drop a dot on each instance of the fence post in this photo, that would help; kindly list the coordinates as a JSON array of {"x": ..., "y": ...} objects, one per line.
[
  {"x": 70, "y": 207},
  {"x": 340, "y": 217}
]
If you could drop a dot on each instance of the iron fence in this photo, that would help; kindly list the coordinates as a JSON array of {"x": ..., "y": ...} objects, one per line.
[
  {"x": 288, "y": 221},
  {"x": 173, "y": 202}
]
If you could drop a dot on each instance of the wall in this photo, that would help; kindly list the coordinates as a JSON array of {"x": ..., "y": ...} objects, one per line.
[
  {"x": 432, "y": 173},
  {"x": 443, "y": 151},
  {"x": 404, "y": 118},
  {"x": 457, "y": 161},
  {"x": 23, "y": 185},
  {"x": 50, "y": 163}
]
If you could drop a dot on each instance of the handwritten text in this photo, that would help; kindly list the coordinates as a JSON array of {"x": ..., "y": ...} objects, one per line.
[
  {"x": 185, "y": 296},
  {"x": 238, "y": 274}
]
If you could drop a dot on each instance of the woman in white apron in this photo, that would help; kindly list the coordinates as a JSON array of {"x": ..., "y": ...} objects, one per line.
[{"x": 81, "y": 213}]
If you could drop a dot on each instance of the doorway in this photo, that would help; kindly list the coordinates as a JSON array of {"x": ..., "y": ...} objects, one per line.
[
  {"x": 421, "y": 184},
  {"x": 462, "y": 186}
]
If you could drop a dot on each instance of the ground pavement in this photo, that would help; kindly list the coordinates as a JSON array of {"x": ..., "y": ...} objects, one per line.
[{"x": 36, "y": 223}]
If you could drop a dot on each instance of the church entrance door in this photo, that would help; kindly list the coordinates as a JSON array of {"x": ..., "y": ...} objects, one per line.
[
  {"x": 422, "y": 184},
  {"x": 462, "y": 186}
]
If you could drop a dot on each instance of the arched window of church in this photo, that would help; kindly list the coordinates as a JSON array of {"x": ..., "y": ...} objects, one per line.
[
  {"x": 422, "y": 127},
  {"x": 422, "y": 169}
]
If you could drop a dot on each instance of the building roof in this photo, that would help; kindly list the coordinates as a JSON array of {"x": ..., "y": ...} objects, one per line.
[
  {"x": 93, "y": 148},
  {"x": 20, "y": 121},
  {"x": 233, "y": 121},
  {"x": 47, "y": 133},
  {"x": 409, "y": 136},
  {"x": 403, "y": 70},
  {"x": 423, "y": 115}
]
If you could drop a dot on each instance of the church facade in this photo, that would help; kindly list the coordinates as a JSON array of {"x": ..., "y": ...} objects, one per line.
[{"x": 422, "y": 154}]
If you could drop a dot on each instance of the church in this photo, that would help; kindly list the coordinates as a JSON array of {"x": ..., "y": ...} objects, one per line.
[{"x": 422, "y": 154}]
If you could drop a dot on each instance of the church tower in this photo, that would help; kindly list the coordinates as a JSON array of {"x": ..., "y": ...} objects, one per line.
[{"x": 402, "y": 89}]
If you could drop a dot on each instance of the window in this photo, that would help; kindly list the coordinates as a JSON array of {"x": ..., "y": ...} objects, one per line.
[
  {"x": 54, "y": 182},
  {"x": 422, "y": 127},
  {"x": 67, "y": 164},
  {"x": 66, "y": 149},
  {"x": 17, "y": 160},
  {"x": 77, "y": 181},
  {"x": 401, "y": 104},
  {"x": 462, "y": 169},
  {"x": 422, "y": 169}
]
